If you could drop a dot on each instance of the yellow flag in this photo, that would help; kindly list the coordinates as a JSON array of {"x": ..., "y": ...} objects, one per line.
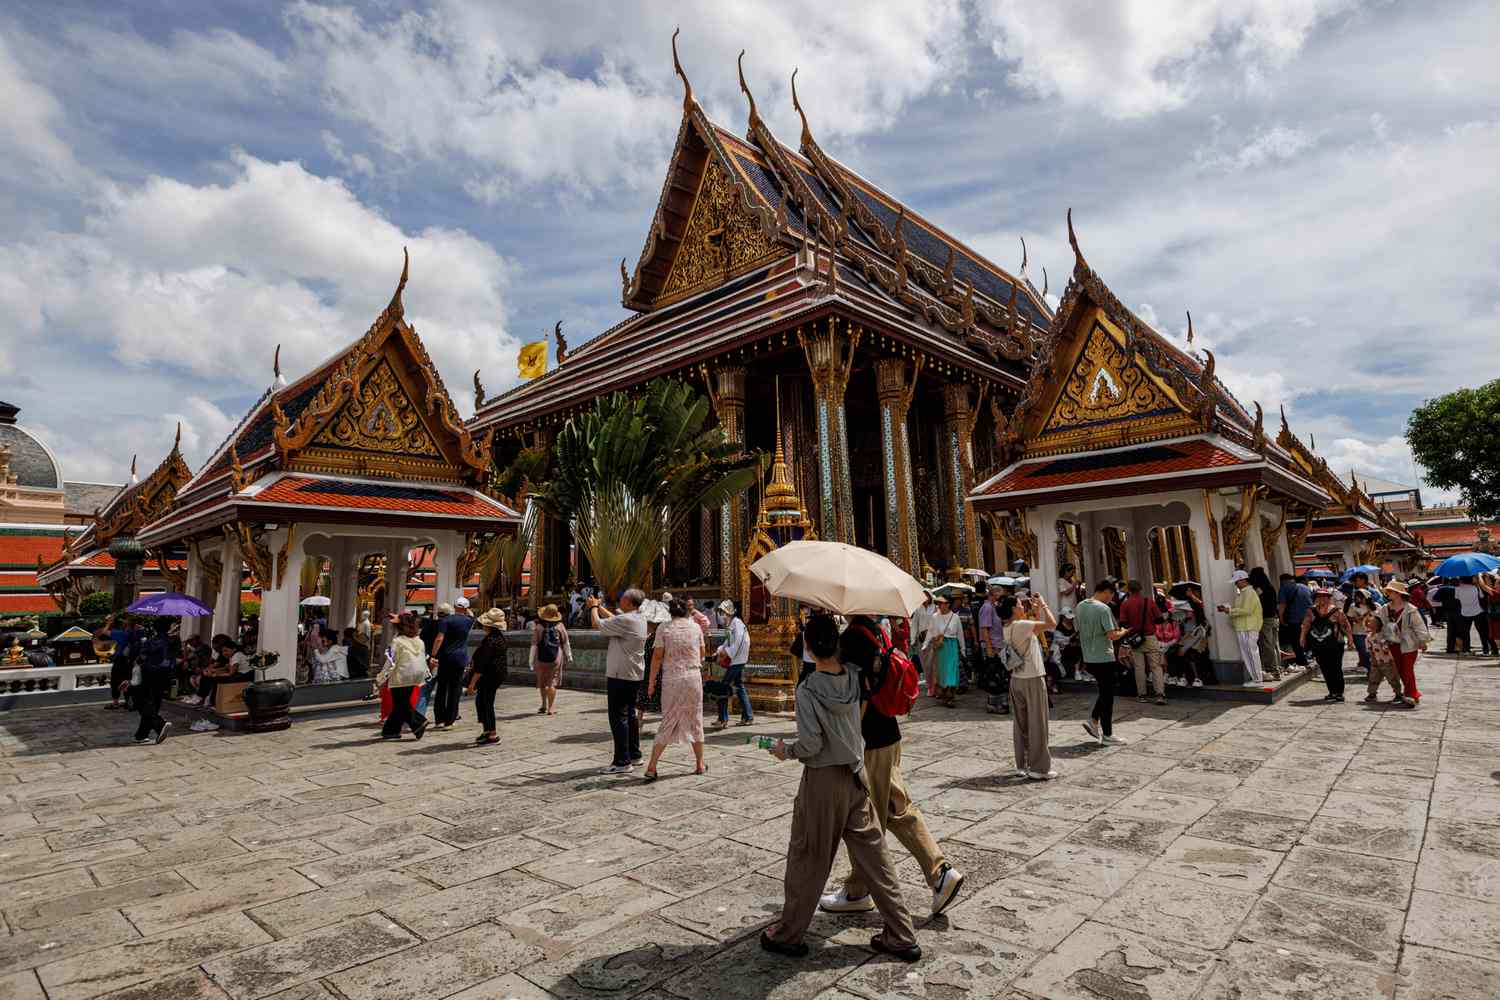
[{"x": 532, "y": 361}]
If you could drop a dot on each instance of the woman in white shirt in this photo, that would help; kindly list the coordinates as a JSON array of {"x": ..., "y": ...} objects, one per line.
[
  {"x": 330, "y": 661},
  {"x": 1067, "y": 589},
  {"x": 406, "y": 671},
  {"x": 1028, "y": 683},
  {"x": 944, "y": 643}
]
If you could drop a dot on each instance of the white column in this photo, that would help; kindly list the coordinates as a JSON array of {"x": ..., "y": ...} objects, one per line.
[
  {"x": 446, "y": 585},
  {"x": 1255, "y": 549},
  {"x": 227, "y": 606},
  {"x": 1283, "y": 557},
  {"x": 1213, "y": 574},
  {"x": 278, "y": 609},
  {"x": 345, "y": 563},
  {"x": 1043, "y": 521},
  {"x": 190, "y": 625},
  {"x": 1138, "y": 544},
  {"x": 396, "y": 553}
]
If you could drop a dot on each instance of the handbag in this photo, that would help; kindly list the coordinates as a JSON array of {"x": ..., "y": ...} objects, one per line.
[{"x": 723, "y": 660}]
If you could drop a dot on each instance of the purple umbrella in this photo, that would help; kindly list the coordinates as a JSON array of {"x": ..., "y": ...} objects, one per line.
[{"x": 170, "y": 605}]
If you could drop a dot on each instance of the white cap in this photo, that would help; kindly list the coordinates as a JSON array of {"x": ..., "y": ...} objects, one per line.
[
  {"x": 460, "y": 602},
  {"x": 1238, "y": 575}
]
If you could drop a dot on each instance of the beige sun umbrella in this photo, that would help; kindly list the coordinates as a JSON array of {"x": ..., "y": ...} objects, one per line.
[{"x": 839, "y": 578}]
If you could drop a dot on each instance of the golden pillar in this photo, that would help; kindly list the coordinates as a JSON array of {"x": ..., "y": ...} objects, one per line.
[
  {"x": 959, "y": 414},
  {"x": 895, "y": 383},
  {"x": 830, "y": 356},
  {"x": 727, "y": 390}
]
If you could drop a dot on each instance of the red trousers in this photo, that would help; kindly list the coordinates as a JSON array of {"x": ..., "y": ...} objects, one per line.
[{"x": 1406, "y": 665}]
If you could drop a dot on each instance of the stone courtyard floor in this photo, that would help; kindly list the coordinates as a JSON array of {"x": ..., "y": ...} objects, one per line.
[{"x": 1300, "y": 849}]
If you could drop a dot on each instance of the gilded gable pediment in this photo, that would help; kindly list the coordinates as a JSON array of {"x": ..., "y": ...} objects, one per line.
[
  {"x": 723, "y": 238},
  {"x": 379, "y": 417}
]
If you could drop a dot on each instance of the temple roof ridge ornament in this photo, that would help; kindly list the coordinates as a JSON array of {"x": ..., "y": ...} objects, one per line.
[
  {"x": 807, "y": 137},
  {"x": 687, "y": 85},
  {"x": 745, "y": 87}
]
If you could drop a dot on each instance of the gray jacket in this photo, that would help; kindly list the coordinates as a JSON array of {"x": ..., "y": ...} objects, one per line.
[{"x": 828, "y": 733}]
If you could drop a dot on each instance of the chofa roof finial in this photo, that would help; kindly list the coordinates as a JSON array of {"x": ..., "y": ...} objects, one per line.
[
  {"x": 396, "y": 305},
  {"x": 1073, "y": 242},
  {"x": 1024, "y": 258},
  {"x": 1190, "y": 327},
  {"x": 746, "y": 87},
  {"x": 133, "y": 477},
  {"x": 806, "y": 131},
  {"x": 1044, "y": 282},
  {"x": 276, "y": 375},
  {"x": 687, "y": 85},
  {"x": 177, "y": 441}
]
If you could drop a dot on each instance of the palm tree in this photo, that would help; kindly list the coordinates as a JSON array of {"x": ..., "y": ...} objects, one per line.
[
  {"x": 502, "y": 573},
  {"x": 627, "y": 473}
]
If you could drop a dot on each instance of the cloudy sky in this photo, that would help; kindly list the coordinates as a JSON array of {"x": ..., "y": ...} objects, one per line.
[{"x": 187, "y": 185}]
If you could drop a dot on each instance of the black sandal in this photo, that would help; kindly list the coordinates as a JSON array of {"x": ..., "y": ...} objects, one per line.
[{"x": 649, "y": 777}]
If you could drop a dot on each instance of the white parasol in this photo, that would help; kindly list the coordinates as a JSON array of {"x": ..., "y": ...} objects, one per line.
[
  {"x": 839, "y": 578},
  {"x": 316, "y": 601}
]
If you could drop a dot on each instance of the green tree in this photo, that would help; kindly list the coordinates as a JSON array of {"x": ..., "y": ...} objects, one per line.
[
  {"x": 1456, "y": 437},
  {"x": 628, "y": 472}
]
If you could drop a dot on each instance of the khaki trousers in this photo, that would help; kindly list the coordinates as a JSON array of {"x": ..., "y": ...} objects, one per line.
[
  {"x": 895, "y": 813},
  {"x": 832, "y": 806},
  {"x": 1382, "y": 668},
  {"x": 1146, "y": 656},
  {"x": 1028, "y": 712}
]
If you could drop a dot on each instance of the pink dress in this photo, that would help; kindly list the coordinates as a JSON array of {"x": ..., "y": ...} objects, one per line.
[{"x": 681, "y": 682}]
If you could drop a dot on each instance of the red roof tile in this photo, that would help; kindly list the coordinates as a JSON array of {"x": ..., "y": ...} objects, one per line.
[
  {"x": 1080, "y": 470},
  {"x": 26, "y": 603},
  {"x": 312, "y": 492},
  {"x": 22, "y": 550}
]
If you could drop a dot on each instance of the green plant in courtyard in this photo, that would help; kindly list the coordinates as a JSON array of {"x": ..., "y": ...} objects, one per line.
[{"x": 628, "y": 472}]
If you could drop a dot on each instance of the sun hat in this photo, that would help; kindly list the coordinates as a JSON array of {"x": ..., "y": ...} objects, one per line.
[
  {"x": 549, "y": 613},
  {"x": 726, "y": 606},
  {"x": 460, "y": 602},
  {"x": 1238, "y": 575},
  {"x": 445, "y": 608},
  {"x": 493, "y": 618},
  {"x": 1395, "y": 587}
]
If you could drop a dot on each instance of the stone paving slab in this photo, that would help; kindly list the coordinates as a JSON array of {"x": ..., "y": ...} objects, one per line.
[{"x": 1229, "y": 852}]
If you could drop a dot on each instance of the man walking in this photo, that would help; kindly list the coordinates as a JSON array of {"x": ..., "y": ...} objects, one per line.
[
  {"x": 991, "y": 635},
  {"x": 624, "y": 669},
  {"x": 1097, "y": 633},
  {"x": 1293, "y": 600},
  {"x": 450, "y": 658},
  {"x": 1245, "y": 618},
  {"x": 862, "y": 645},
  {"x": 1140, "y": 616}
]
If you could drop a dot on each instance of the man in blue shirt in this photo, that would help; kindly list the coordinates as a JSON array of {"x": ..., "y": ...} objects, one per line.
[
  {"x": 991, "y": 635},
  {"x": 1293, "y": 600}
]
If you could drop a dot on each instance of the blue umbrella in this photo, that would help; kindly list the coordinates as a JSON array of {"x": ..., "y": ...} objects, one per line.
[
  {"x": 1373, "y": 572},
  {"x": 1320, "y": 574},
  {"x": 170, "y": 604},
  {"x": 1467, "y": 564}
]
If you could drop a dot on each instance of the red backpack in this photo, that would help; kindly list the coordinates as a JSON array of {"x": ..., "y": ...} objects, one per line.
[{"x": 898, "y": 686}]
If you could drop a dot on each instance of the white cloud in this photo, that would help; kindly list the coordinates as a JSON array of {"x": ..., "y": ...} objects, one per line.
[
  {"x": 205, "y": 281},
  {"x": 28, "y": 113},
  {"x": 354, "y": 163},
  {"x": 1273, "y": 145},
  {"x": 1138, "y": 57},
  {"x": 530, "y": 95}
]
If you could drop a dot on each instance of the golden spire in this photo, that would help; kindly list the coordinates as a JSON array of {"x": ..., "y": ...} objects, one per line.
[{"x": 780, "y": 494}]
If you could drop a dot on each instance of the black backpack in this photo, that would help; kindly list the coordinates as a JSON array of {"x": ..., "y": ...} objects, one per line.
[{"x": 548, "y": 645}]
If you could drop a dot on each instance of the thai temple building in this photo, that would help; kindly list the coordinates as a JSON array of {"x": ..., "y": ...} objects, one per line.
[
  {"x": 912, "y": 397},
  {"x": 351, "y": 467},
  {"x": 919, "y": 399}
]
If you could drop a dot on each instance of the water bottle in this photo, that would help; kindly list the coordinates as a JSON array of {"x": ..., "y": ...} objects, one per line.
[{"x": 764, "y": 742}]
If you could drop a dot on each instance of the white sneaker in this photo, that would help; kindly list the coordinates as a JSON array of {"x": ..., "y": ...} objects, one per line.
[
  {"x": 839, "y": 902},
  {"x": 1021, "y": 772},
  {"x": 948, "y": 885},
  {"x": 1197, "y": 683},
  {"x": 1253, "y": 684},
  {"x": 192, "y": 699},
  {"x": 1039, "y": 776},
  {"x": 1114, "y": 741},
  {"x": 1092, "y": 728},
  {"x": 616, "y": 769}
]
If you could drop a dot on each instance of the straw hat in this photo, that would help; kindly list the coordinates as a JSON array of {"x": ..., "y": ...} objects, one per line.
[
  {"x": 1395, "y": 587},
  {"x": 493, "y": 618},
  {"x": 549, "y": 613},
  {"x": 726, "y": 606},
  {"x": 444, "y": 608}
]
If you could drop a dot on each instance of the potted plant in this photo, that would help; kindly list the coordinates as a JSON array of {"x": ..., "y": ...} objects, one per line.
[{"x": 268, "y": 702}]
